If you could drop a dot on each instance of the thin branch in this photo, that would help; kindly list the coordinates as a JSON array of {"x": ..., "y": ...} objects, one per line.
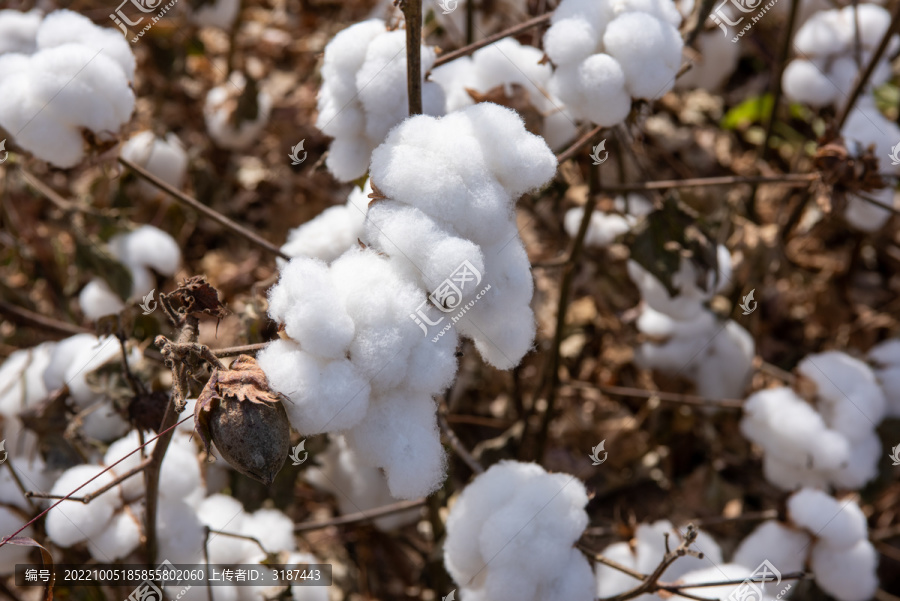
[
  {"x": 19, "y": 484},
  {"x": 569, "y": 152},
  {"x": 362, "y": 516},
  {"x": 669, "y": 397},
  {"x": 611, "y": 563},
  {"x": 412, "y": 12},
  {"x": 240, "y": 536},
  {"x": 870, "y": 68},
  {"x": 247, "y": 349},
  {"x": 205, "y": 210},
  {"x": 43, "y": 513},
  {"x": 515, "y": 30},
  {"x": 788, "y": 179},
  {"x": 36, "y": 319},
  {"x": 458, "y": 447},
  {"x": 675, "y": 588}
]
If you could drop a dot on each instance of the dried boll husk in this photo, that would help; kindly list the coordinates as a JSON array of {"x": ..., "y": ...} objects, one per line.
[{"x": 244, "y": 419}]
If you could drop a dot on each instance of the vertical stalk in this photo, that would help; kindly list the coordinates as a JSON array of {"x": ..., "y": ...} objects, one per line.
[{"x": 412, "y": 12}]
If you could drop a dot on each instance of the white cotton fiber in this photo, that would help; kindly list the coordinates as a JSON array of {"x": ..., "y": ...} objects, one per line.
[
  {"x": 356, "y": 486},
  {"x": 97, "y": 299},
  {"x": 846, "y": 574},
  {"x": 886, "y": 360},
  {"x": 218, "y": 112},
  {"x": 164, "y": 158},
  {"x": 783, "y": 546},
  {"x": 148, "y": 246},
  {"x": 30, "y": 470},
  {"x": 225, "y": 514},
  {"x": 18, "y": 31},
  {"x": 323, "y": 395},
  {"x": 219, "y": 13},
  {"x": 718, "y": 573},
  {"x": 133, "y": 487},
  {"x": 21, "y": 378},
  {"x": 179, "y": 533},
  {"x": 273, "y": 529},
  {"x": 56, "y": 92},
  {"x": 841, "y": 524},
  {"x": 333, "y": 231},
  {"x": 118, "y": 539},
  {"x": 180, "y": 472},
  {"x": 10, "y": 521},
  {"x": 514, "y": 527},
  {"x": 851, "y": 399},
  {"x": 63, "y": 27},
  {"x": 648, "y": 50},
  {"x": 72, "y": 522},
  {"x": 717, "y": 58}
]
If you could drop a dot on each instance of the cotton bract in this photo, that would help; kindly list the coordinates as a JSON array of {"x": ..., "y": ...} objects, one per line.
[
  {"x": 140, "y": 251},
  {"x": 511, "y": 536},
  {"x": 608, "y": 52},
  {"x": 363, "y": 93},
  {"x": 74, "y": 76}
]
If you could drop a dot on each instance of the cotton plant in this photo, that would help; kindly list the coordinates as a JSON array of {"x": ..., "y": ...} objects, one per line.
[
  {"x": 356, "y": 356},
  {"x": 825, "y": 69},
  {"x": 885, "y": 360},
  {"x": 109, "y": 524},
  {"x": 511, "y": 535},
  {"x": 356, "y": 486},
  {"x": 829, "y": 443},
  {"x": 507, "y": 63},
  {"x": 331, "y": 233},
  {"x": 18, "y": 31},
  {"x": 363, "y": 93},
  {"x": 142, "y": 251},
  {"x": 165, "y": 158},
  {"x": 74, "y": 77},
  {"x": 609, "y": 52},
  {"x": 235, "y": 116},
  {"x": 604, "y": 228}
]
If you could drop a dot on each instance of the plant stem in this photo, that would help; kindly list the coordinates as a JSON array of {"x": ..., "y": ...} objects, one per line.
[
  {"x": 569, "y": 152},
  {"x": 362, "y": 516},
  {"x": 669, "y": 397},
  {"x": 36, "y": 319},
  {"x": 412, "y": 12},
  {"x": 788, "y": 179},
  {"x": 247, "y": 349},
  {"x": 205, "y": 210},
  {"x": 516, "y": 29},
  {"x": 458, "y": 447}
]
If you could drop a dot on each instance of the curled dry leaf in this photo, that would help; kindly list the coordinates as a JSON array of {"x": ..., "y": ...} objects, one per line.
[
  {"x": 244, "y": 419},
  {"x": 199, "y": 298}
]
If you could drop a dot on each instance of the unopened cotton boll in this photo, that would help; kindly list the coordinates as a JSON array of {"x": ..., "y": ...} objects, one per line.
[
  {"x": 18, "y": 31},
  {"x": 511, "y": 533},
  {"x": 218, "y": 112},
  {"x": 164, "y": 158},
  {"x": 219, "y": 13}
]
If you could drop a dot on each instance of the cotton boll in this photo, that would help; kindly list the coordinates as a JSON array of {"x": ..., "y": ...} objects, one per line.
[
  {"x": 220, "y": 14},
  {"x": 570, "y": 41},
  {"x": 120, "y": 450},
  {"x": 10, "y": 521},
  {"x": 824, "y": 33},
  {"x": 866, "y": 125},
  {"x": 717, "y": 60},
  {"x": 311, "y": 309},
  {"x": 610, "y": 581},
  {"x": 603, "y": 228},
  {"x": 97, "y": 299},
  {"x": 63, "y": 27},
  {"x": 727, "y": 571},
  {"x": 21, "y": 378},
  {"x": 805, "y": 81},
  {"x": 92, "y": 354},
  {"x": 664, "y": 10},
  {"x": 30, "y": 470},
  {"x": 502, "y": 342},
  {"x": 218, "y": 113},
  {"x": 180, "y": 472},
  {"x": 886, "y": 359},
  {"x": 846, "y": 574},
  {"x": 772, "y": 541},
  {"x": 454, "y": 77},
  {"x": 862, "y": 464},
  {"x": 179, "y": 533},
  {"x": 225, "y": 514},
  {"x": 789, "y": 477},
  {"x": 104, "y": 423},
  {"x": 166, "y": 159},
  {"x": 603, "y": 81},
  {"x": 852, "y": 401},
  {"x": 648, "y": 50},
  {"x": 273, "y": 529},
  {"x": 147, "y": 246},
  {"x": 598, "y": 14},
  {"x": 841, "y": 524},
  {"x": 71, "y": 522},
  {"x": 118, "y": 539},
  {"x": 18, "y": 31},
  {"x": 322, "y": 395}
]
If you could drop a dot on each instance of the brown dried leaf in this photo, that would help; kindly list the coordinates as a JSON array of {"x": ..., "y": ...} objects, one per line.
[{"x": 198, "y": 297}]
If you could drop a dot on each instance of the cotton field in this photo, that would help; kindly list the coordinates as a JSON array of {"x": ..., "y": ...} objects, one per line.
[{"x": 439, "y": 300}]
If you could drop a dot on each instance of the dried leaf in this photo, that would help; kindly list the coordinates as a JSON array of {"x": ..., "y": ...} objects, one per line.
[
  {"x": 199, "y": 298},
  {"x": 46, "y": 559}
]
